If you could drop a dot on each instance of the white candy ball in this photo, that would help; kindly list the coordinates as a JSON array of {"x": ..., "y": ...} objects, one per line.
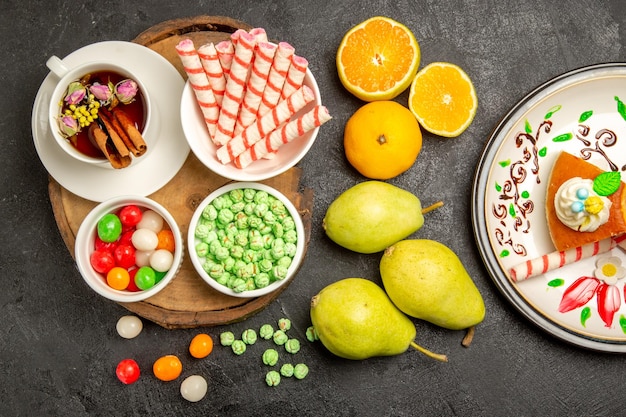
[
  {"x": 142, "y": 257},
  {"x": 129, "y": 326},
  {"x": 145, "y": 239},
  {"x": 151, "y": 220},
  {"x": 161, "y": 260},
  {"x": 193, "y": 388}
]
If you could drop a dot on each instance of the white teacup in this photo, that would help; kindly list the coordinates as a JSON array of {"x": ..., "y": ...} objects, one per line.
[{"x": 66, "y": 75}]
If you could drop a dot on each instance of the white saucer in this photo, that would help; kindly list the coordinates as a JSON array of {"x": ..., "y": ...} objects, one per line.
[{"x": 164, "y": 161}]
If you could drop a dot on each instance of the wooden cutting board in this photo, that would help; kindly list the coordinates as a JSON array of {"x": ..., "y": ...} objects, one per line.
[{"x": 187, "y": 302}]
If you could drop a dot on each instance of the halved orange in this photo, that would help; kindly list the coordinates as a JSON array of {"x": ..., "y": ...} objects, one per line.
[
  {"x": 443, "y": 99},
  {"x": 377, "y": 59}
]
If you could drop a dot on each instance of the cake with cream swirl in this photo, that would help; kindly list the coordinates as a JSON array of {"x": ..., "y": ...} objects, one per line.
[{"x": 584, "y": 204}]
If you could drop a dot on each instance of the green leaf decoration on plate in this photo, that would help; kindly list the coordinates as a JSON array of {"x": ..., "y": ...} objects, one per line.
[
  {"x": 563, "y": 138},
  {"x": 551, "y": 111},
  {"x": 607, "y": 183},
  {"x": 584, "y": 315},
  {"x": 504, "y": 253},
  {"x": 498, "y": 187},
  {"x": 621, "y": 107},
  {"x": 525, "y": 194},
  {"x": 505, "y": 163},
  {"x": 527, "y": 127},
  {"x": 622, "y": 323},
  {"x": 512, "y": 210},
  {"x": 556, "y": 282},
  {"x": 585, "y": 115},
  {"x": 543, "y": 151}
]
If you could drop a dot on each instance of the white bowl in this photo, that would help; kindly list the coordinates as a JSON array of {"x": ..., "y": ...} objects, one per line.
[
  {"x": 201, "y": 145},
  {"x": 84, "y": 247},
  {"x": 198, "y": 261}
]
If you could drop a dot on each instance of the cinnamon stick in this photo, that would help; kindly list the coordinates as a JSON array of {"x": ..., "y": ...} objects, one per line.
[
  {"x": 115, "y": 124},
  {"x": 139, "y": 144},
  {"x": 101, "y": 138}
]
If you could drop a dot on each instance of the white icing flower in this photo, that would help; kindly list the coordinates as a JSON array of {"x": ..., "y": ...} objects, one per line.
[
  {"x": 579, "y": 207},
  {"x": 609, "y": 269}
]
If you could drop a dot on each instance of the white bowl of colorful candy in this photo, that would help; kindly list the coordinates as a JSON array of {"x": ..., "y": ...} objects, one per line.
[
  {"x": 246, "y": 239},
  {"x": 128, "y": 248}
]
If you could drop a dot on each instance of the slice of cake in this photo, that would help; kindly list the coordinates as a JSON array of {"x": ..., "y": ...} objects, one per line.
[{"x": 584, "y": 204}]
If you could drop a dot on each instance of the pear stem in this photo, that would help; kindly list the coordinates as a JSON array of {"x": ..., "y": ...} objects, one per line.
[
  {"x": 469, "y": 336},
  {"x": 432, "y": 207},
  {"x": 437, "y": 356}
]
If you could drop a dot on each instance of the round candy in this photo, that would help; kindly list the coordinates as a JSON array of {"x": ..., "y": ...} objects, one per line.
[
  {"x": 582, "y": 193},
  {"x": 151, "y": 220},
  {"x": 578, "y": 206},
  {"x": 201, "y": 346},
  {"x": 145, "y": 278},
  {"x": 124, "y": 255},
  {"x": 166, "y": 240},
  {"x": 109, "y": 228},
  {"x": 118, "y": 278},
  {"x": 127, "y": 371},
  {"x": 102, "y": 261},
  {"x": 142, "y": 257},
  {"x": 129, "y": 326},
  {"x": 193, "y": 388},
  {"x": 145, "y": 239},
  {"x": 130, "y": 215},
  {"x": 161, "y": 260},
  {"x": 167, "y": 368}
]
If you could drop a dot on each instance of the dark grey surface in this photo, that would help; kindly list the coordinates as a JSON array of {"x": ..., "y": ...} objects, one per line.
[{"x": 58, "y": 344}]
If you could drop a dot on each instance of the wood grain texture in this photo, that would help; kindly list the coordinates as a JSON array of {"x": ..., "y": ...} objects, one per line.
[{"x": 187, "y": 302}]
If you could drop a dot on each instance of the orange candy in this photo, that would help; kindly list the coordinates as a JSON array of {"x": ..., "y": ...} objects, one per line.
[
  {"x": 167, "y": 368},
  {"x": 118, "y": 278},
  {"x": 166, "y": 240},
  {"x": 201, "y": 346}
]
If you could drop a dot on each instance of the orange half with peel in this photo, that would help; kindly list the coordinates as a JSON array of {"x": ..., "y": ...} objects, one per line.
[
  {"x": 443, "y": 99},
  {"x": 377, "y": 59}
]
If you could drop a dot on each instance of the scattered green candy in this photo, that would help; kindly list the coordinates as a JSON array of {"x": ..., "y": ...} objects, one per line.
[
  {"x": 249, "y": 336},
  {"x": 227, "y": 338},
  {"x": 272, "y": 378},
  {"x": 292, "y": 346},
  {"x": 238, "y": 347},
  {"x": 300, "y": 371},
  {"x": 109, "y": 228},
  {"x": 311, "y": 334},
  {"x": 286, "y": 370},
  {"x": 270, "y": 357},
  {"x": 284, "y": 324},
  {"x": 280, "y": 338},
  {"x": 266, "y": 331}
]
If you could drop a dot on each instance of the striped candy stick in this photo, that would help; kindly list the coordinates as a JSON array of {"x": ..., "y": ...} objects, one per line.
[
  {"x": 233, "y": 95},
  {"x": 541, "y": 265},
  {"x": 213, "y": 69},
  {"x": 264, "y": 56},
  {"x": 285, "y": 134},
  {"x": 265, "y": 124},
  {"x": 295, "y": 76},
  {"x": 276, "y": 78},
  {"x": 260, "y": 35},
  {"x": 200, "y": 84},
  {"x": 225, "y": 53}
]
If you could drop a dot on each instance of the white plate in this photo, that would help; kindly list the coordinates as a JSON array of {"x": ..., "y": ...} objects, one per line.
[
  {"x": 509, "y": 189},
  {"x": 205, "y": 150},
  {"x": 159, "y": 166}
]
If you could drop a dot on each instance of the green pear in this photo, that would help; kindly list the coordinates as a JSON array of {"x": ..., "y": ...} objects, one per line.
[
  {"x": 371, "y": 216},
  {"x": 354, "y": 319},
  {"x": 426, "y": 280}
]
